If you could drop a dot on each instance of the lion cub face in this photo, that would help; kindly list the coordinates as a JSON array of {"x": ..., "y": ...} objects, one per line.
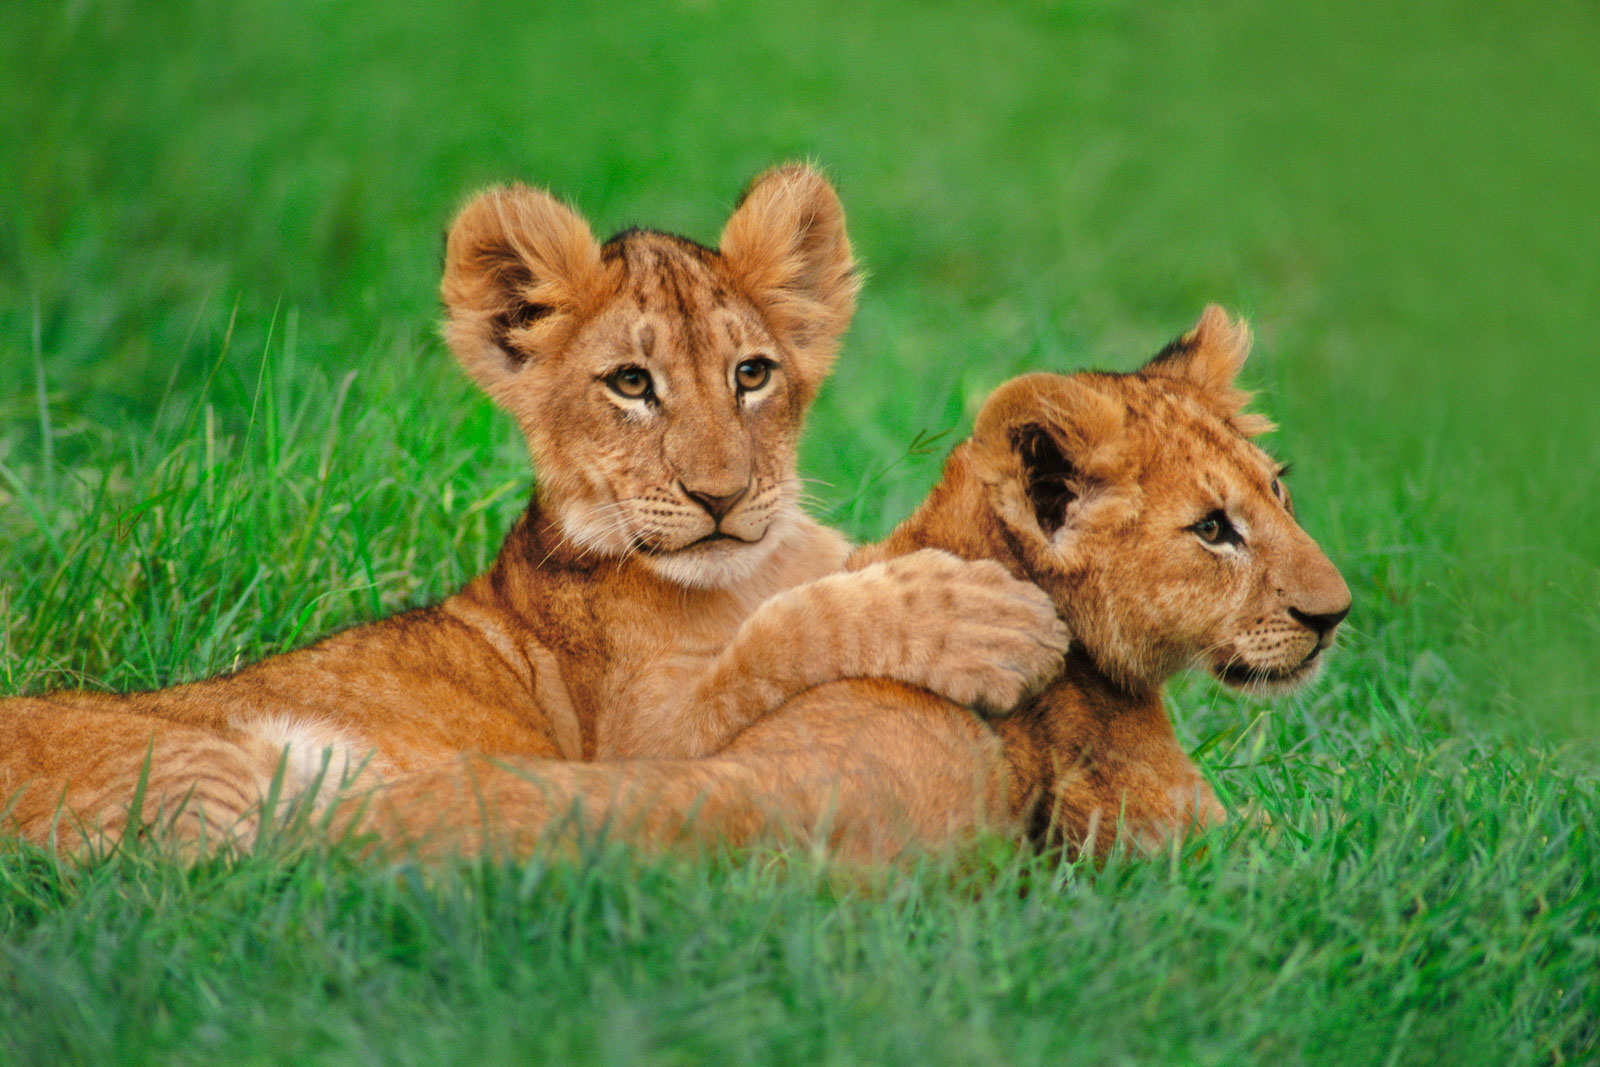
[
  {"x": 1165, "y": 535},
  {"x": 661, "y": 385}
]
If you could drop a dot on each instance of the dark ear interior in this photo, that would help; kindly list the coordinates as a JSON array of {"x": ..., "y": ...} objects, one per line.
[
  {"x": 520, "y": 315},
  {"x": 1047, "y": 473},
  {"x": 509, "y": 278}
]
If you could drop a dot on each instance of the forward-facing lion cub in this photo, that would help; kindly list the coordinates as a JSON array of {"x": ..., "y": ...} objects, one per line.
[
  {"x": 1167, "y": 541},
  {"x": 652, "y": 600}
]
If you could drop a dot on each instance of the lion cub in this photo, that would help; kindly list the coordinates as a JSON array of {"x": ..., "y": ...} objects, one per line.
[{"x": 662, "y": 591}]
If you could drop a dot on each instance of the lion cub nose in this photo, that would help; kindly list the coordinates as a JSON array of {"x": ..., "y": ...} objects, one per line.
[
  {"x": 716, "y": 505},
  {"x": 1322, "y": 624}
]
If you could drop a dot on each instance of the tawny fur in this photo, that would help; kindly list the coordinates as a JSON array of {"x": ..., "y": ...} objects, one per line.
[
  {"x": 624, "y": 616},
  {"x": 1092, "y": 486}
]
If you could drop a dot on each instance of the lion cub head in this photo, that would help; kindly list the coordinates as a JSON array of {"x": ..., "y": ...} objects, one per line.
[
  {"x": 661, "y": 385},
  {"x": 1166, "y": 536}
]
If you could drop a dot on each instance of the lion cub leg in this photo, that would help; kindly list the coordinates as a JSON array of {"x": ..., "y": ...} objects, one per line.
[
  {"x": 72, "y": 775},
  {"x": 966, "y": 631},
  {"x": 1131, "y": 778}
]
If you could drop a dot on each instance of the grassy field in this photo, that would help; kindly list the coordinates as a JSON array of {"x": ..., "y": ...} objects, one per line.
[{"x": 227, "y": 426}]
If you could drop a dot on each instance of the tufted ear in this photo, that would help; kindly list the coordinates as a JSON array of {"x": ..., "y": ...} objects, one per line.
[
  {"x": 1043, "y": 443},
  {"x": 520, "y": 269},
  {"x": 1209, "y": 355},
  {"x": 787, "y": 247}
]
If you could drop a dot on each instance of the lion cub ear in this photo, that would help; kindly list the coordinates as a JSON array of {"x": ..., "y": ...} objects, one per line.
[
  {"x": 1045, "y": 444},
  {"x": 786, "y": 246},
  {"x": 1208, "y": 356},
  {"x": 520, "y": 268}
]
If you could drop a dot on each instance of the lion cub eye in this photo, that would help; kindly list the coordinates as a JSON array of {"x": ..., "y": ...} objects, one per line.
[
  {"x": 1281, "y": 491},
  {"x": 752, "y": 374},
  {"x": 1215, "y": 529},
  {"x": 631, "y": 382}
]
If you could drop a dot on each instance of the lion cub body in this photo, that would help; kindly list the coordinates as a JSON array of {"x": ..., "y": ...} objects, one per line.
[{"x": 662, "y": 591}]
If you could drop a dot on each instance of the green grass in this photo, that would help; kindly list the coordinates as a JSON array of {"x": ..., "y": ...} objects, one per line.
[{"x": 226, "y": 427}]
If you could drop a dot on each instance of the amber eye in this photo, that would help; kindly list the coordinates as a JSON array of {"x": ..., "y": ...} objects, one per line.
[
  {"x": 631, "y": 382},
  {"x": 752, "y": 374},
  {"x": 1215, "y": 529}
]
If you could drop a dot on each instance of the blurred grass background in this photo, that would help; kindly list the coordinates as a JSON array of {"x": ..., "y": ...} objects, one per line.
[{"x": 227, "y": 424}]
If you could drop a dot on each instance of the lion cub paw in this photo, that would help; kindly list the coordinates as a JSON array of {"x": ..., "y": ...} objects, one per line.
[{"x": 967, "y": 631}]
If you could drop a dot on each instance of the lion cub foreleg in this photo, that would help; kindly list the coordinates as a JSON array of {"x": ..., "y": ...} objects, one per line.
[
  {"x": 966, "y": 631},
  {"x": 1126, "y": 776}
]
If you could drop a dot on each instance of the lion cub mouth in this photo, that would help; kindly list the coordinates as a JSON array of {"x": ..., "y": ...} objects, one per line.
[
  {"x": 720, "y": 535},
  {"x": 716, "y": 537},
  {"x": 1241, "y": 676}
]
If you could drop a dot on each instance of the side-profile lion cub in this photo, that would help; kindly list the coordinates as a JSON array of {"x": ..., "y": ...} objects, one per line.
[
  {"x": 1165, "y": 537},
  {"x": 653, "y": 600}
]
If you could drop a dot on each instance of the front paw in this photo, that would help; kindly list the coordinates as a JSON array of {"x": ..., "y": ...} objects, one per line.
[{"x": 970, "y": 632}]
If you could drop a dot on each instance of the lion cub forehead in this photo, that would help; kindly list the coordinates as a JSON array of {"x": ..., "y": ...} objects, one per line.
[
  {"x": 662, "y": 270},
  {"x": 679, "y": 295},
  {"x": 1177, "y": 427}
]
